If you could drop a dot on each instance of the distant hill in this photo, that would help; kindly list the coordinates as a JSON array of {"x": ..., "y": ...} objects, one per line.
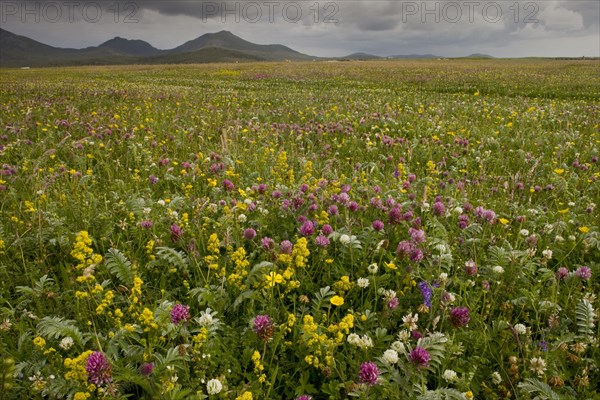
[
  {"x": 227, "y": 40},
  {"x": 130, "y": 47},
  {"x": 360, "y": 56},
  {"x": 478, "y": 55},
  {"x": 224, "y": 46},
  {"x": 415, "y": 56}
]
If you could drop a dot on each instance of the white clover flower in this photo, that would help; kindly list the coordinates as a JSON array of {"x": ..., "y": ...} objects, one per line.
[
  {"x": 403, "y": 335},
  {"x": 520, "y": 329},
  {"x": 344, "y": 239},
  {"x": 362, "y": 283},
  {"x": 572, "y": 238},
  {"x": 458, "y": 210},
  {"x": 365, "y": 342},
  {"x": 537, "y": 365},
  {"x": 242, "y": 218},
  {"x": 559, "y": 239},
  {"x": 66, "y": 343},
  {"x": 425, "y": 206},
  {"x": 498, "y": 269},
  {"x": 388, "y": 295},
  {"x": 524, "y": 232},
  {"x": 450, "y": 376},
  {"x": 410, "y": 321},
  {"x": 496, "y": 378},
  {"x": 443, "y": 278},
  {"x": 398, "y": 347},
  {"x": 373, "y": 268},
  {"x": 547, "y": 254},
  {"x": 353, "y": 338},
  {"x": 161, "y": 202},
  {"x": 390, "y": 357},
  {"x": 571, "y": 204},
  {"x": 214, "y": 386},
  {"x": 206, "y": 318}
]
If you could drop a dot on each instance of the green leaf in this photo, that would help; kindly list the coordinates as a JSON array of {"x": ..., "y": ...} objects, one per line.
[{"x": 118, "y": 265}]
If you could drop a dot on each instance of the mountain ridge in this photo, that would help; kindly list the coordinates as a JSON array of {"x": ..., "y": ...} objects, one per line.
[{"x": 223, "y": 46}]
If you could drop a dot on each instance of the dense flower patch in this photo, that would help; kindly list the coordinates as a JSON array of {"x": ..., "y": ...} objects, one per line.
[{"x": 378, "y": 230}]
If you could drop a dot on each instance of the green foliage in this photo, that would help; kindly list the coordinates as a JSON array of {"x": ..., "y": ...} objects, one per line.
[{"x": 118, "y": 265}]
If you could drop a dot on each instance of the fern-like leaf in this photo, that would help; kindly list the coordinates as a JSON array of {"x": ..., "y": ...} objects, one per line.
[
  {"x": 56, "y": 327},
  {"x": 442, "y": 394},
  {"x": 585, "y": 318},
  {"x": 173, "y": 257},
  {"x": 540, "y": 390},
  {"x": 117, "y": 264}
]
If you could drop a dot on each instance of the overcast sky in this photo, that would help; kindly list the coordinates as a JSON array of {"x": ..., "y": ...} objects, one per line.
[{"x": 514, "y": 28}]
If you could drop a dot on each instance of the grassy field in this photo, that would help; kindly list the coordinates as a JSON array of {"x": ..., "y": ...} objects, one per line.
[{"x": 324, "y": 230}]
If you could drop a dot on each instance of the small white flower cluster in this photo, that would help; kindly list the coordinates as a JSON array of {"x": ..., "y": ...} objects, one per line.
[
  {"x": 387, "y": 294},
  {"x": 66, "y": 343},
  {"x": 214, "y": 386},
  {"x": 373, "y": 268},
  {"x": 364, "y": 341},
  {"x": 450, "y": 376},
  {"x": 207, "y": 318},
  {"x": 362, "y": 283},
  {"x": 390, "y": 357}
]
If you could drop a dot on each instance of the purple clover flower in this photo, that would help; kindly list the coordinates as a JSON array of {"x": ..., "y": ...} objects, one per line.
[
  {"x": 459, "y": 316},
  {"x": 307, "y": 229},
  {"x": 180, "y": 313},
  {"x": 176, "y": 233},
  {"x": 267, "y": 243},
  {"x": 368, "y": 373},
  {"x": 286, "y": 247},
  {"x": 420, "y": 357},
  {"x": 98, "y": 368},
  {"x": 322, "y": 241},
  {"x": 263, "y": 327},
  {"x": 249, "y": 233},
  {"x": 417, "y": 235},
  {"x": 584, "y": 273},
  {"x": 378, "y": 225},
  {"x": 146, "y": 369},
  {"x": 562, "y": 273}
]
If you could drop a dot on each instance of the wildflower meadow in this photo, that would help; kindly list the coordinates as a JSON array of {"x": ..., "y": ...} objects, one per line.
[{"x": 312, "y": 230}]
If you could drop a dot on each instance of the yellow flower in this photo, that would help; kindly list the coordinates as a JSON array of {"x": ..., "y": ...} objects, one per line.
[
  {"x": 337, "y": 300},
  {"x": 559, "y": 171},
  {"x": 391, "y": 265},
  {"x": 273, "y": 278},
  {"x": 469, "y": 395},
  {"x": 584, "y": 229},
  {"x": 503, "y": 221},
  {"x": 245, "y": 396},
  {"x": 39, "y": 341}
]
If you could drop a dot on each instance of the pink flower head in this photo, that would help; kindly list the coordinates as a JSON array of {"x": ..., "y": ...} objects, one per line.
[
  {"x": 459, "y": 316},
  {"x": 146, "y": 369},
  {"x": 249, "y": 233},
  {"x": 180, "y": 313},
  {"x": 263, "y": 327},
  {"x": 378, "y": 225},
  {"x": 369, "y": 373},
  {"x": 584, "y": 273},
  {"x": 562, "y": 273},
  {"x": 98, "y": 368},
  {"x": 176, "y": 233},
  {"x": 420, "y": 357}
]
